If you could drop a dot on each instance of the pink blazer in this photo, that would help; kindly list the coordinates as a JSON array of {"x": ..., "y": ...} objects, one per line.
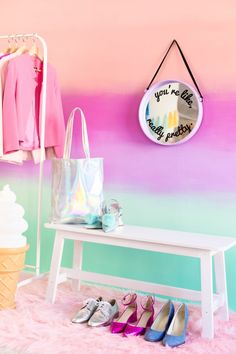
[{"x": 21, "y": 107}]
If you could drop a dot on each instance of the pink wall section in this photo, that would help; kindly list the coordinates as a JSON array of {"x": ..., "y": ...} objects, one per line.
[{"x": 115, "y": 46}]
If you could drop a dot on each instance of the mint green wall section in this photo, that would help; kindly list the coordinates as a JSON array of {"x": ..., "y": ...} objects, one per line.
[{"x": 196, "y": 213}]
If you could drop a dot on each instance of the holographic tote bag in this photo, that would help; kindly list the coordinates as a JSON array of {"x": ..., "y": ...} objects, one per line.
[{"x": 77, "y": 184}]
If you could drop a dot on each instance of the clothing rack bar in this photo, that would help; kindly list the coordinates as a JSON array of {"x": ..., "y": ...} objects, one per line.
[
  {"x": 19, "y": 35},
  {"x": 42, "y": 140}
]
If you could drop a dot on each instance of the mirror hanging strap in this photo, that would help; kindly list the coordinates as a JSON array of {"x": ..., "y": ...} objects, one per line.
[{"x": 185, "y": 62}]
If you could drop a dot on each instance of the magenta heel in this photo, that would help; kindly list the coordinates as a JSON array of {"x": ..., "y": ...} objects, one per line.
[
  {"x": 145, "y": 320},
  {"x": 133, "y": 318},
  {"x": 129, "y": 315}
]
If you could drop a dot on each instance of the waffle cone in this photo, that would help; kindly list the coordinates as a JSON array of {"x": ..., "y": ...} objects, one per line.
[{"x": 12, "y": 260}]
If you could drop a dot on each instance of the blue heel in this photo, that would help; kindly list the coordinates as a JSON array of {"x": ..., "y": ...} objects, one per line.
[
  {"x": 176, "y": 333},
  {"x": 160, "y": 325}
]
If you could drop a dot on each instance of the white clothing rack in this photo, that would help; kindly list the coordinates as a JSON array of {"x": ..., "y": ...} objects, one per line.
[{"x": 42, "y": 152}]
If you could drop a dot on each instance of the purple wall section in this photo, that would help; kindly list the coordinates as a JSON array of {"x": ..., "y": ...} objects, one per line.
[{"x": 206, "y": 163}]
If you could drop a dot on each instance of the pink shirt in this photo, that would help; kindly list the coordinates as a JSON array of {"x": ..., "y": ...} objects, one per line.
[{"x": 21, "y": 107}]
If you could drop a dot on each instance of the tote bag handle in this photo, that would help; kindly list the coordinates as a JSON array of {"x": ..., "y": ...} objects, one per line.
[{"x": 69, "y": 134}]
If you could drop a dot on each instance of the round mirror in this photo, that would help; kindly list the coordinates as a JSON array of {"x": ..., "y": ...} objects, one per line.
[{"x": 170, "y": 112}]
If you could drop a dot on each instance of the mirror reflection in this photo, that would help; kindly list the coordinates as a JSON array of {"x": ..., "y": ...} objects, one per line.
[{"x": 171, "y": 113}]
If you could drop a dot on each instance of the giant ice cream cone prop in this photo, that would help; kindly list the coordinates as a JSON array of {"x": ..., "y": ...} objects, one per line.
[{"x": 13, "y": 246}]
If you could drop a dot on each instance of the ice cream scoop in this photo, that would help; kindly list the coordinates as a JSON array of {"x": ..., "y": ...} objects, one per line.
[{"x": 12, "y": 223}]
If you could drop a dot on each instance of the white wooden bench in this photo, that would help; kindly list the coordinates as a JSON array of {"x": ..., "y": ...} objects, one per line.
[{"x": 204, "y": 247}]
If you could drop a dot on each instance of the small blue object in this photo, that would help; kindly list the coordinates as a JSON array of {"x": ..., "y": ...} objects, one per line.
[
  {"x": 91, "y": 219},
  {"x": 109, "y": 222},
  {"x": 97, "y": 225}
]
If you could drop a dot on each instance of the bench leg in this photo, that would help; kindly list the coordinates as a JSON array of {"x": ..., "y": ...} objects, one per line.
[
  {"x": 77, "y": 262},
  {"x": 207, "y": 297},
  {"x": 55, "y": 267},
  {"x": 221, "y": 286}
]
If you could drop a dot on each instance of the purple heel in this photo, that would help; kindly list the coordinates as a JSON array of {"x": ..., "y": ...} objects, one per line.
[
  {"x": 145, "y": 320},
  {"x": 129, "y": 315}
]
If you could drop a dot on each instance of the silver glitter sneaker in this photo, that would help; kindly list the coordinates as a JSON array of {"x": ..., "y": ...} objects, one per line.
[
  {"x": 87, "y": 310},
  {"x": 104, "y": 314}
]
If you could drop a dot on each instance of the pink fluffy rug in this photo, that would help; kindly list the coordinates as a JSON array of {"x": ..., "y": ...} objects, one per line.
[{"x": 36, "y": 327}]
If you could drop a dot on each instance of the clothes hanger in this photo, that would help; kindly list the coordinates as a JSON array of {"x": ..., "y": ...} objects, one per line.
[
  {"x": 11, "y": 48},
  {"x": 7, "y": 50},
  {"x": 15, "y": 48},
  {"x": 23, "y": 48},
  {"x": 34, "y": 50}
]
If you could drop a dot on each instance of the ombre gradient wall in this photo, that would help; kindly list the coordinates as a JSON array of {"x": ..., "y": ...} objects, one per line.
[{"x": 105, "y": 53}]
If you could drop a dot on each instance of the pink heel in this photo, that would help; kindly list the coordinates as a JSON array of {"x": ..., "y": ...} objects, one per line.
[
  {"x": 129, "y": 315},
  {"x": 145, "y": 320}
]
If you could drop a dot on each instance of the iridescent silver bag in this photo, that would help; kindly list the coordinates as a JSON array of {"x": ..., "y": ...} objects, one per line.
[{"x": 77, "y": 184}]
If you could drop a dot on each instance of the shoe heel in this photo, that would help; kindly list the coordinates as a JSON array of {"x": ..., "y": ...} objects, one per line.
[
  {"x": 145, "y": 319},
  {"x": 158, "y": 329},
  {"x": 129, "y": 315},
  {"x": 116, "y": 315},
  {"x": 150, "y": 321},
  {"x": 133, "y": 318}
]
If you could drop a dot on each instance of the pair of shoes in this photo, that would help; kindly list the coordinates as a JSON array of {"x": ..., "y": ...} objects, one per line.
[
  {"x": 110, "y": 218},
  {"x": 97, "y": 312},
  {"x": 126, "y": 324},
  {"x": 168, "y": 326},
  {"x": 90, "y": 305}
]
